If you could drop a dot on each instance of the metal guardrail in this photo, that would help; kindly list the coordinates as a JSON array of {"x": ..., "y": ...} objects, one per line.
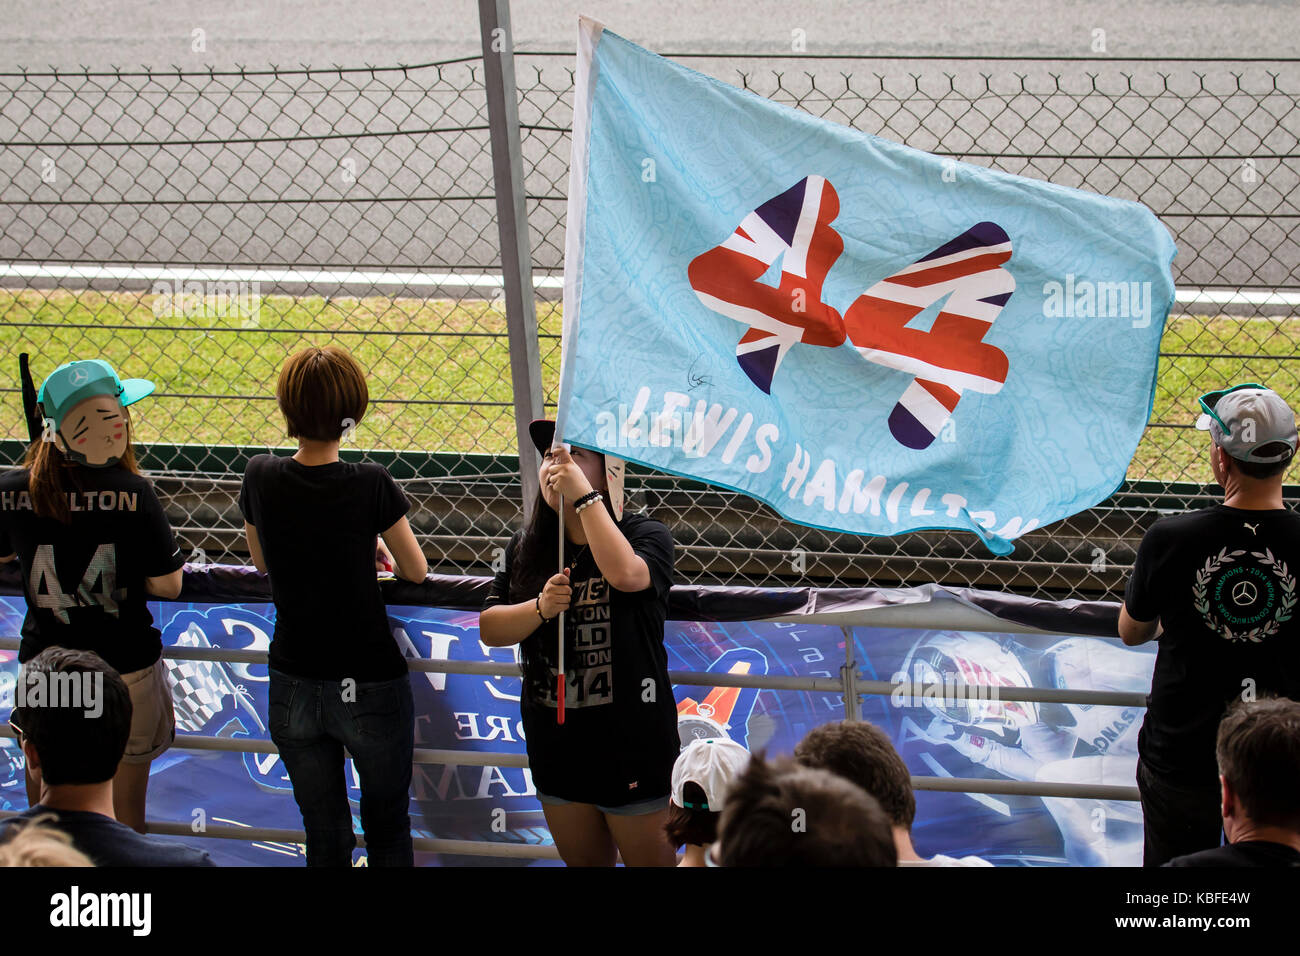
[
  {"x": 850, "y": 685},
  {"x": 529, "y": 851}
]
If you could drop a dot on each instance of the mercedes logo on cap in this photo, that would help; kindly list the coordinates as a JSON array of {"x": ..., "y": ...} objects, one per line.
[{"x": 78, "y": 376}]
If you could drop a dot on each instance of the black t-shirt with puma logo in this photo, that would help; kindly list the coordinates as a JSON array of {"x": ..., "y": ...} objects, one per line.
[{"x": 1223, "y": 582}]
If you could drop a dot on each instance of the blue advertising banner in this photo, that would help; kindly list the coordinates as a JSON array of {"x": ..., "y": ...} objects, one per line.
[{"x": 467, "y": 713}]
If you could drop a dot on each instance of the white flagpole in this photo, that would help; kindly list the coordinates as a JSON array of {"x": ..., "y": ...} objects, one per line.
[{"x": 576, "y": 212}]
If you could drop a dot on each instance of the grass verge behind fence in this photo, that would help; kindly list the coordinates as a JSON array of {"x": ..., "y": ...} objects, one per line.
[{"x": 439, "y": 369}]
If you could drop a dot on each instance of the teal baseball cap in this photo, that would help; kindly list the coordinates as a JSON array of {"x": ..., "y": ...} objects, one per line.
[{"x": 74, "y": 382}]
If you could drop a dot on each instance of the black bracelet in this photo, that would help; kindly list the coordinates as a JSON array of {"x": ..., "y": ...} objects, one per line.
[
  {"x": 545, "y": 619},
  {"x": 589, "y": 496}
]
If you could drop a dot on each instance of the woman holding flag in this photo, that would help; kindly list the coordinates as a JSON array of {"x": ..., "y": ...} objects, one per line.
[{"x": 602, "y": 742}]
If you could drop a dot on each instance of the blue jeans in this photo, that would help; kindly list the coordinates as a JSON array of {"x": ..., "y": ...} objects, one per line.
[{"x": 311, "y": 723}]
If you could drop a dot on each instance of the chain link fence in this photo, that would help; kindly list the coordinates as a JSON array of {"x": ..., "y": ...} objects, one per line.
[
  {"x": 1211, "y": 148},
  {"x": 198, "y": 228}
]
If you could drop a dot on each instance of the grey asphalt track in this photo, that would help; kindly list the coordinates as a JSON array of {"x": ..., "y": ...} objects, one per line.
[
  {"x": 158, "y": 33},
  {"x": 71, "y": 34}
]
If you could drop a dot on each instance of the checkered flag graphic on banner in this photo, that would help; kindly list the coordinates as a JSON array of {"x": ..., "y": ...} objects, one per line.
[{"x": 199, "y": 688}]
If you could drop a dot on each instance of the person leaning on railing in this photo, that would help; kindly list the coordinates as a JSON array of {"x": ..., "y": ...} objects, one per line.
[
  {"x": 1217, "y": 588},
  {"x": 338, "y": 678},
  {"x": 95, "y": 547}
]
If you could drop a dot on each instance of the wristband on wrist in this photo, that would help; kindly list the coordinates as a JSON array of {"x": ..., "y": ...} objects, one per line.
[
  {"x": 545, "y": 619},
  {"x": 586, "y": 501}
]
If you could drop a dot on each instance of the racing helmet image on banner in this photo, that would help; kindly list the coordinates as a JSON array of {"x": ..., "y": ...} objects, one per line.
[{"x": 942, "y": 660}]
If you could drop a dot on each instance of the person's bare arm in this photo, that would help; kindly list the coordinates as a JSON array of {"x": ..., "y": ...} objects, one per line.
[
  {"x": 409, "y": 562},
  {"x": 504, "y": 624},
  {"x": 255, "y": 548},
  {"x": 167, "y": 587},
  {"x": 6, "y": 560},
  {"x": 623, "y": 568},
  {"x": 1134, "y": 632}
]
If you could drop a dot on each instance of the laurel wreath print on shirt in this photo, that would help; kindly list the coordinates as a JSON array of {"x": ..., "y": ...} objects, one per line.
[{"x": 1277, "y": 615}]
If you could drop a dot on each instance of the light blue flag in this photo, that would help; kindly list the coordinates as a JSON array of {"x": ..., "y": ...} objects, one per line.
[{"x": 866, "y": 337}]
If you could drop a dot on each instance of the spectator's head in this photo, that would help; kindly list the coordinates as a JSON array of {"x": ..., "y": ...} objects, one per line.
[
  {"x": 35, "y": 843},
  {"x": 74, "y": 716},
  {"x": 322, "y": 393},
  {"x": 701, "y": 776},
  {"x": 1259, "y": 764},
  {"x": 82, "y": 414},
  {"x": 784, "y": 814},
  {"x": 863, "y": 754},
  {"x": 1254, "y": 434}
]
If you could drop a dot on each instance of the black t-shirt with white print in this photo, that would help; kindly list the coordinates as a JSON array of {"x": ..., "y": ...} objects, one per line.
[
  {"x": 85, "y": 581},
  {"x": 1223, "y": 582},
  {"x": 317, "y": 525},
  {"x": 619, "y": 739}
]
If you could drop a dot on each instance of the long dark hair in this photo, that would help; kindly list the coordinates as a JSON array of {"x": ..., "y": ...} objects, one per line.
[
  {"x": 534, "y": 559},
  {"x": 49, "y": 472},
  {"x": 532, "y": 565}
]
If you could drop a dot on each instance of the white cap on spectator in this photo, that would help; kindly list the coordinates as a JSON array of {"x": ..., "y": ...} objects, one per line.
[
  {"x": 710, "y": 764},
  {"x": 1248, "y": 417}
]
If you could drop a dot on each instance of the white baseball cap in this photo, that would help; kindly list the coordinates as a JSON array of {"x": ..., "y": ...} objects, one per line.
[
  {"x": 710, "y": 764},
  {"x": 1248, "y": 417}
]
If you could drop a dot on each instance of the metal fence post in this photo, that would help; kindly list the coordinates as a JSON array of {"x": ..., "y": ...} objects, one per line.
[
  {"x": 849, "y": 674},
  {"x": 512, "y": 226}
]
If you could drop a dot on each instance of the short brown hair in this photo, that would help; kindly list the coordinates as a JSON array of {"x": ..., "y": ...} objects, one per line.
[
  {"x": 1259, "y": 755},
  {"x": 319, "y": 391},
  {"x": 842, "y": 824},
  {"x": 862, "y": 753}
]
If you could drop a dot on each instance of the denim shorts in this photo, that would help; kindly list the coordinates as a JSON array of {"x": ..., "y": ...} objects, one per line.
[{"x": 627, "y": 810}]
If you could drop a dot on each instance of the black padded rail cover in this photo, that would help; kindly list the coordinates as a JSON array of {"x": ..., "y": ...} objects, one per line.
[{"x": 238, "y": 584}]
